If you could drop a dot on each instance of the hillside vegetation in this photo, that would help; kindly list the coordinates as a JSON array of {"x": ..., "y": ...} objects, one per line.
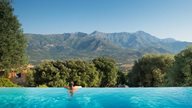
[{"x": 123, "y": 47}]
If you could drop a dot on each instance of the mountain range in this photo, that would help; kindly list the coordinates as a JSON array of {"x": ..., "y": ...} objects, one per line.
[{"x": 123, "y": 46}]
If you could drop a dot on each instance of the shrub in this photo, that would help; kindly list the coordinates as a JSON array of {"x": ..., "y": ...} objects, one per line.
[
  {"x": 42, "y": 86},
  {"x": 4, "y": 82}
]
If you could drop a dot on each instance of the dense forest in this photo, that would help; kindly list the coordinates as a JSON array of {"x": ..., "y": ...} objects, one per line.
[{"x": 151, "y": 70}]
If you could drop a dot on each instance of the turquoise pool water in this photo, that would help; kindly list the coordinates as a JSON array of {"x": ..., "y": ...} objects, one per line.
[{"x": 96, "y": 98}]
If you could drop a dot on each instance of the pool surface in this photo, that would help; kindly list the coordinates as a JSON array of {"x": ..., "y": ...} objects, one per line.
[{"x": 96, "y": 98}]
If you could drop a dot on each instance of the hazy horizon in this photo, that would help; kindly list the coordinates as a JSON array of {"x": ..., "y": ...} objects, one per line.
[{"x": 163, "y": 18}]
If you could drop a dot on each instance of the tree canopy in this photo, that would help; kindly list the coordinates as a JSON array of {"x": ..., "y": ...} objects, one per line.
[
  {"x": 100, "y": 72},
  {"x": 58, "y": 74},
  {"x": 181, "y": 74},
  {"x": 150, "y": 71},
  {"x": 107, "y": 71},
  {"x": 12, "y": 40}
]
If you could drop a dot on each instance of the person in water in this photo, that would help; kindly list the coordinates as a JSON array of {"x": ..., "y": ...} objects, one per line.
[{"x": 72, "y": 88}]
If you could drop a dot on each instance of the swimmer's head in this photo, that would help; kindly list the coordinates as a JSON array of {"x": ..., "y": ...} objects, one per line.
[{"x": 71, "y": 84}]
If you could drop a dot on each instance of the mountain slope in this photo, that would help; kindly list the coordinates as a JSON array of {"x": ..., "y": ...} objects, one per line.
[{"x": 124, "y": 47}]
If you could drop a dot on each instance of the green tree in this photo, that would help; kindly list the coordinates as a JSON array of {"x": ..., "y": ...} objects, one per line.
[
  {"x": 121, "y": 78},
  {"x": 181, "y": 74},
  {"x": 107, "y": 71},
  {"x": 59, "y": 74},
  {"x": 83, "y": 73},
  {"x": 150, "y": 71},
  {"x": 12, "y": 40},
  {"x": 29, "y": 79},
  {"x": 136, "y": 75},
  {"x": 51, "y": 74}
]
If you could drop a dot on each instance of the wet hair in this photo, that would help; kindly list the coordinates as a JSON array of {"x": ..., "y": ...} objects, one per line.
[{"x": 71, "y": 84}]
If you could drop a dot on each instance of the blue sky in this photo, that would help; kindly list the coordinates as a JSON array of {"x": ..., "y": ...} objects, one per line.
[{"x": 162, "y": 18}]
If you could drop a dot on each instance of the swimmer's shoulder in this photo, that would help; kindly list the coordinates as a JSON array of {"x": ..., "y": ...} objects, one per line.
[{"x": 78, "y": 86}]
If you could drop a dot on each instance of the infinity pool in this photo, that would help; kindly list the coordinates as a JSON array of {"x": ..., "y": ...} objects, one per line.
[{"x": 96, "y": 98}]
